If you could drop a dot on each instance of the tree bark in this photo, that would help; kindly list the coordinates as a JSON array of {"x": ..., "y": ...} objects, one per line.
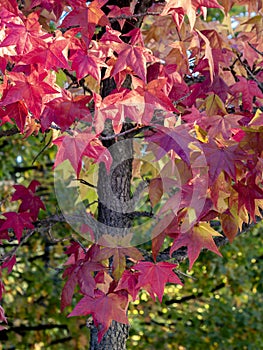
[
  {"x": 114, "y": 189},
  {"x": 114, "y": 339},
  {"x": 114, "y": 205}
]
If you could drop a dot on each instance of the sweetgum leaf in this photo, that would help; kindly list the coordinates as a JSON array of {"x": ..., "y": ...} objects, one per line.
[
  {"x": 30, "y": 201},
  {"x": 18, "y": 222},
  {"x": 129, "y": 282},
  {"x": 154, "y": 276},
  {"x": 199, "y": 237},
  {"x": 104, "y": 308},
  {"x": 249, "y": 90},
  {"x": 75, "y": 147}
]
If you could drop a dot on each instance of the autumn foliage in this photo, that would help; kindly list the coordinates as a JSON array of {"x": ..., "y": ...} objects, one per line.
[{"x": 187, "y": 91}]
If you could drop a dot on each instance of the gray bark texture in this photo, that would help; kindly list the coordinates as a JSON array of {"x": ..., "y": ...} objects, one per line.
[
  {"x": 114, "y": 205},
  {"x": 114, "y": 339},
  {"x": 114, "y": 189}
]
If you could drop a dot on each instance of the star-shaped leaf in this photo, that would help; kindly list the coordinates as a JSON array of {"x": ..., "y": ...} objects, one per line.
[
  {"x": 154, "y": 277},
  {"x": 104, "y": 308},
  {"x": 249, "y": 90},
  {"x": 199, "y": 237},
  {"x": 177, "y": 139},
  {"x": 63, "y": 111},
  {"x": 134, "y": 57},
  {"x": 75, "y": 147},
  {"x": 30, "y": 201},
  {"x": 248, "y": 191},
  {"x": 79, "y": 273},
  {"x": 31, "y": 89},
  {"x": 18, "y": 222},
  {"x": 25, "y": 36},
  {"x": 129, "y": 282},
  {"x": 84, "y": 63},
  {"x": 87, "y": 17},
  {"x": 51, "y": 56},
  {"x": 222, "y": 158},
  {"x": 119, "y": 249}
]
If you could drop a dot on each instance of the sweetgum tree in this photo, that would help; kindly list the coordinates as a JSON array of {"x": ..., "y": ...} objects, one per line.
[{"x": 155, "y": 110}]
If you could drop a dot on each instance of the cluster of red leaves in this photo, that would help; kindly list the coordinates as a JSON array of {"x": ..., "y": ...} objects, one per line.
[
  {"x": 103, "y": 297},
  {"x": 218, "y": 154}
]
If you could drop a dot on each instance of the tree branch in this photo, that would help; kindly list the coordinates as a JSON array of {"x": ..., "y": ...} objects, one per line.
[
  {"x": 135, "y": 15},
  {"x": 10, "y": 132},
  {"x": 39, "y": 327},
  {"x": 131, "y": 132},
  {"x": 249, "y": 72},
  {"x": 255, "y": 49}
]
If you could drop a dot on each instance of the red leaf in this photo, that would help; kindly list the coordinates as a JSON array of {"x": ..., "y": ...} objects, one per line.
[
  {"x": 79, "y": 272},
  {"x": 155, "y": 191},
  {"x": 154, "y": 277},
  {"x": 9, "y": 264},
  {"x": 18, "y": 112},
  {"x": 30, "y": 201},
  {"x": 177, "y": 139},
  {"x": 68, "y": 288},
  {"x": 199, "y": 237},
  {"x": 63, "y": 111},
  {"x": 134, "y": 57},
  {"x": 129, "y": 282},
  {"x": 84, "y": 63},
  {"x": 116, "y": 11},
  {"x": 249, "y": 90},
  {"x": 87, "y": 17},
  {"x": 248, "y": 191},
  {"x": 10, "y": 5},
  {"x": 104, "y": 309},
  {"x": 179, "y": 8},
  {"x": 50, "y": 57},
  {"x": 221, "y": 124},
  {"x": 25, "y": 36},
  {"x": 2, "y": 289},
  {"x": 72, "y": 148},
  {"x": 229, "y": 225},
  {"x": 167, "y": 226},
  {"x": 119, "y": 249},
  {"x": 30, "y": 89},
  {"x": 75, "y": 147},
  {"x": 18, "y": 222},
  {"x": 2, "y": 316},
  {"x": 222, "y": 158}
]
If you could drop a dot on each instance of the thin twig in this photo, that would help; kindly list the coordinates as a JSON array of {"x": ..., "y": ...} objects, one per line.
[
  {"x": 136, "y": 15},
  {"x": 133, "y": 131},
  {"x": 182, "y": 98},
  {"x": 43, "y": 149},
  {"x": 249, "y": 72},
  {"x": 11, "y": 253},
  {"x": 255, "y": 49},
  {"x": 78, "y": 83},
  {"x": 84, "y": 182},
  {"x": 9, "y": 132}
]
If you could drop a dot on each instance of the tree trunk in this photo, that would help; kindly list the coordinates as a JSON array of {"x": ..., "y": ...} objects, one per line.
[
  {"x": 114, "y": 339},
  {"x": 114, "y": 206},
  {"x": 114, "y": 189}
]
